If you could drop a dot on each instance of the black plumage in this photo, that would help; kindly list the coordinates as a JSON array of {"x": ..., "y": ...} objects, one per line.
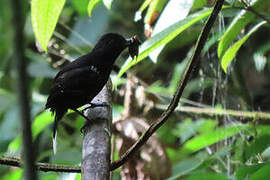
[{"x": 80, "y": 81}]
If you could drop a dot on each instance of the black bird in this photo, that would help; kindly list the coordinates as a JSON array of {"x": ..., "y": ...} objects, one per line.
[{"x": 80, "y": 81}]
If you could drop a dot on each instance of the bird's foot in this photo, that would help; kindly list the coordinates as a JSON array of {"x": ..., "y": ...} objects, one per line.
[
  {"x": 83, "y": 129},
  {"x": 94, "y": 105}
]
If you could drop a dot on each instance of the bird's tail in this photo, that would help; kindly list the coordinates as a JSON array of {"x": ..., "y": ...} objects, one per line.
[{"x": 58, "y": 117}]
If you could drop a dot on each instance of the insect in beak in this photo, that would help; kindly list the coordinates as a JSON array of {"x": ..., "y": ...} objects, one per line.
[{"x": 133, "y": 44}]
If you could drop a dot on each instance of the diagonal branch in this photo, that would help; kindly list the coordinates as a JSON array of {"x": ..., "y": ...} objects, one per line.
[{"x": 180, "y": 88}]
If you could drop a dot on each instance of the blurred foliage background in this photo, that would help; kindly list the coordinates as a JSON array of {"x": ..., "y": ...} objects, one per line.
[{"x": 220, "y": 129}]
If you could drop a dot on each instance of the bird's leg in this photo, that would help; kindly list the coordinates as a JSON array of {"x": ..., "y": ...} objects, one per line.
[
  {"x": 81, "y": 113},
  {"x": 82, "y": 130},
  {"x": 85, "y": 117},
  {"x": 94, "y": 105}
]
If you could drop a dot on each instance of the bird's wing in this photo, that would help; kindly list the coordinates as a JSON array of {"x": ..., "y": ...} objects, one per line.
[
  {"x": 75, "y": 83},
  {"x": 78, "y": 63}
]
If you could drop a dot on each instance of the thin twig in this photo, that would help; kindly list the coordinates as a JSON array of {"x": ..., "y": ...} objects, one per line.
[
  {"x": 180, "y": 88},
  {"x": 247, "y": 7},
  {"x": 16, "y": 162}
]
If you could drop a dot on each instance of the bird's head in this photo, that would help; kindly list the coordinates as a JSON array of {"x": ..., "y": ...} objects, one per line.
[{"x": 113, "y": 44}]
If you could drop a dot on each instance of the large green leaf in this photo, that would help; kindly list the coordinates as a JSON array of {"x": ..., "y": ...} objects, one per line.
[
  {"x": 207, "y": 176},
  {"x": 14, "y": 174},
  {"x": 173, "y": 12},
  {"x": 45, "y": 14},
  {"x": 231, "y": 52},
  {"x": 196, "y": 163},
  {"x": 262, "y": 173},
  {"x": 186, "y": 166},
  {"x": 210, "y": 138},
  {"x": 257, "y": 146},
  {"x": 164, "y": 37},
  {"x": 246, "y": 171},
  {"x": 244, "y": 17}
]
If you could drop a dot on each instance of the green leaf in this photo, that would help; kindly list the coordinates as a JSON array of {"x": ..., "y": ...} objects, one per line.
[
  {"x": 244, "y": 17},
  {"x": 209, "y": 138},
  {"x": 91, "y": 5},
  {"x": 207, "y": 176},
  {"x": 173, "y": 12},
  {"x": 207, "y": 125},
  {"x": 79, "y": 176},
  {"x": 196, "y": 163},
  {"x": 108, "y": 3},
  {"x": 163, "y": 37},
  {"x": 262, "y": 173},
  {"x": 14, "y": 174},
  {"x": 186, "y": 166},
  {"x": 154, "y": 9},
  {"x": 81, "y": 6},
  {"x": 233, "y": 30},
  {"x": 189, "y": 128},
  {"x": 199, "y": 4},
  {"x": 257, "y": 146},
  {"x": 45, "y": 14},
  {"x": 42, "y": 121},
  {"x": 245, "y": 171},
  {"x": 231, "y": 52}
]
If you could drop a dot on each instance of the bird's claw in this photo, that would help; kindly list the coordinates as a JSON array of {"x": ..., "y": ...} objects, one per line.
[{"x": 83, "y": 129}]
